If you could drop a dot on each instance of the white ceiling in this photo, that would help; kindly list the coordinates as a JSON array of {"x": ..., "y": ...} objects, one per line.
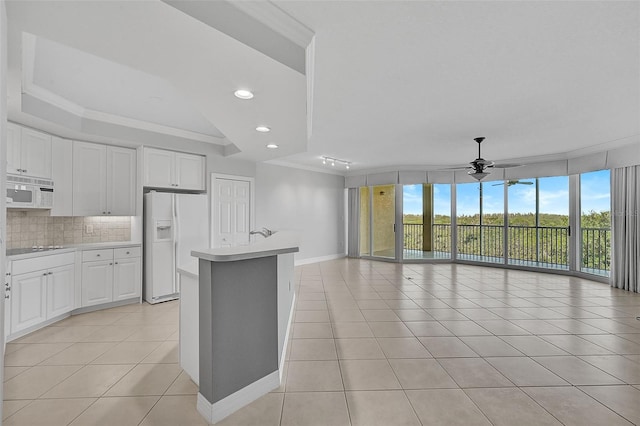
[
  {"x": 412, "y": 83},
  {"x": 391, "y": 84}
]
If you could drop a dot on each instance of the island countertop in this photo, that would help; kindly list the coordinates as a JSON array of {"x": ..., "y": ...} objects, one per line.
[{"x": 279, "y": 243}]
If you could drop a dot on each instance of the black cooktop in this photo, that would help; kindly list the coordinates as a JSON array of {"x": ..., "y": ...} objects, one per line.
[{"x": 16, "y": 251}]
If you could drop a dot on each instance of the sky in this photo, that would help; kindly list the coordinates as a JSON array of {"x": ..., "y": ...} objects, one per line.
[{"x": 554, "y": 196}]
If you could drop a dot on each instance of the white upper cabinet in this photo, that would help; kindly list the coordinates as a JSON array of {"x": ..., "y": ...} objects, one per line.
[
  {"x": 62, "y": 175},
  {"x": 121, "y": 181},
  {"x": 173, "y": 170},
  {"x": 28, "y": 152},
  {"x": 104, "y": 180},
  {"x": 14, "y": 164},
  {"x": 158, "y": 168},
  {"x": 189, "y": 172},
  {"x": 89, "y": 179}
]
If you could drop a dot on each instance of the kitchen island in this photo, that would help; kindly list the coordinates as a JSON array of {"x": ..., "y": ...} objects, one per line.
[{"x": 245, "y": 301}]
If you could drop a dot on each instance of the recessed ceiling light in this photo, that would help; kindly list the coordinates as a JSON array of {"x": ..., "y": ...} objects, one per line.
[
  {"x": 272, "y": 146},
  {"x": 263, "y": 129},
  {"x": 243, "y": 94}
]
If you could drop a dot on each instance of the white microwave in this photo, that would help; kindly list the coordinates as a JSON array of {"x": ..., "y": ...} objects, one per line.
[{"x": 29, "y": 193}]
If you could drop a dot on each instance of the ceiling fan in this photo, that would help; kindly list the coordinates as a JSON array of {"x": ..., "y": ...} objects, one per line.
[
  {"x": 480, "y": 168},
  {"x": 513, "y": 182}
]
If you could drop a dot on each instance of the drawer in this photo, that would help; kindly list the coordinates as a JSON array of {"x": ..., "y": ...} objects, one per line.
[
  {"x": 93, "y": 255},
  {"x": 42, "y": 262},
  {"x": 126, "y": 252}
]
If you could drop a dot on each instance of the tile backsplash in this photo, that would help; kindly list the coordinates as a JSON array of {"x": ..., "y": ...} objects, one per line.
[{"x": 32, "y": 227}]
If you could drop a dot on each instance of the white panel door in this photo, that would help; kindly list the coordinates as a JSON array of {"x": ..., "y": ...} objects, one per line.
[
  {"x": 60, "y": 290},
  {"x": 126, "y": 278},
  {"x": 189, "y": 171},
  {"x": 232, "y": 212},
  {"x": 224, "y": 215},
  {"x": 242, "y": 205},
  {"x": 97, "y": 282},
  {"x": 159, "y": 168},
  {"x": 35, "y": 154},
  {"x": 13, "y": 149},
  {"x": 28, "y": 300},
  {"x": 89, "y": 179},
  {"x": 121, "y": 181}
]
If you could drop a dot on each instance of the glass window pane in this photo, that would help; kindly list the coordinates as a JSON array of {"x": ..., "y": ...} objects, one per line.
[
  {"x": 553, "y": 221},
  {"x": 522, "y": 233},
  {"x": 412, "y": 220},
  {"x": 492, "y": 221},
  {"x": 384, "y": 219},
  {"x": 595, "y": 222},
  {"x": 365, "y": 230},
  {"x": 468, "y": 220},
  {"x": 442, "y": 220}
]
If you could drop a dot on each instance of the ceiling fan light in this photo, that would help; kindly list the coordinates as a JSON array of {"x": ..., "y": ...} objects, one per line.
[{"x": 478, "y": 175}]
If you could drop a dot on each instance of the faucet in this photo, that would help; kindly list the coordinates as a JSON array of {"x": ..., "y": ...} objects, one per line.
[{"x": 265, "y": 232}]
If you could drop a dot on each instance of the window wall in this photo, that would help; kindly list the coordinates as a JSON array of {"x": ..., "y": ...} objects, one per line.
[{"x": 531, "y": 229}]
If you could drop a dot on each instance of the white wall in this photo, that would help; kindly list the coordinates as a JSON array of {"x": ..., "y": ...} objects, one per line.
[{"x": 307, "y": 202}]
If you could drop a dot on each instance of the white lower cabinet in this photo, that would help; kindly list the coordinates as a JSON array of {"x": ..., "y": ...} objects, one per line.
[
  {"x": 116, "y": 276},
  {"x": 60, "y": 290},
  {"x": 126, "y": 278},
  {"x": 41, "y": 289},
  {"x": 97, "y": 278},
  {"x": 28, "y": 300}
]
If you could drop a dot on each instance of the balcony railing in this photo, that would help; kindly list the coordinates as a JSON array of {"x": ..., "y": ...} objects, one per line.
[
  {"x": 596, "y": 249},
  {"x": 530, "y": 245}
]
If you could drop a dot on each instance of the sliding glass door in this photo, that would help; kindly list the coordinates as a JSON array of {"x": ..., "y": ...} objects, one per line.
[{"x": 378, "y": 221}]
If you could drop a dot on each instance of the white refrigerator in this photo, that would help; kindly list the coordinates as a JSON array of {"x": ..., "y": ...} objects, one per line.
[{"x": 174, "y": 225}]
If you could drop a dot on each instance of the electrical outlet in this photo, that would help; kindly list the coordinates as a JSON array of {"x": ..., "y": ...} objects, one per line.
[{"x": 88, "y": 229}]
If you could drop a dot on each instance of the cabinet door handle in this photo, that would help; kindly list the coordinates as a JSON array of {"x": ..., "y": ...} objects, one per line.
[
  {"x": 97, "y": 255},
  {"x": 128, "y": 253},
  {"x": 116, "y": 263},
  {"x": 8, "y": 273},
  {"x": 44, "y": 274},
  {"x": 8, "y": 288},
  {"x": 104, "y": 212},
  {"x": 108, "y": 212},
  {"x": 110, "y": 263},
  {"x": 6, "y": 297}
]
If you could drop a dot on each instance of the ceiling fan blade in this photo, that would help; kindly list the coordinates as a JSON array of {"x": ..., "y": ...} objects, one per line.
[
  {"x": 498, "y": 184},
  {"x": 506, "y": 165},
  {"x": 524, "y": 183},
  {"x": 453, "y": 168}
]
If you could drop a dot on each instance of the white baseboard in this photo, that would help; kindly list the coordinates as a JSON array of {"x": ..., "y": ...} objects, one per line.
[
  {"x": 319, "y": 259},
  {"x": 215, "y": 412}
]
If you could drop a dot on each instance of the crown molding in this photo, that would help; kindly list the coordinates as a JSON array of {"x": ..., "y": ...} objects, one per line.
[
  {"x": 284, "y": 163},
  {"x": 276, "y": 19}
]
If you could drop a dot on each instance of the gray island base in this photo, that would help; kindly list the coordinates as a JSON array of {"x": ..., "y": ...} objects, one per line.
[{"x": 245, "y": 302}]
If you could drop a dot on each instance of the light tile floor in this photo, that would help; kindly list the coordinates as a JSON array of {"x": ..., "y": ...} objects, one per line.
[{"x": 373, "y": 343}]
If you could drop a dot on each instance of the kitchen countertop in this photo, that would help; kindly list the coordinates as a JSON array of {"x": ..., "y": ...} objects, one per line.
[
  {"x": 69, "y": 248},
  {"x": 279, "y": 243}
]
